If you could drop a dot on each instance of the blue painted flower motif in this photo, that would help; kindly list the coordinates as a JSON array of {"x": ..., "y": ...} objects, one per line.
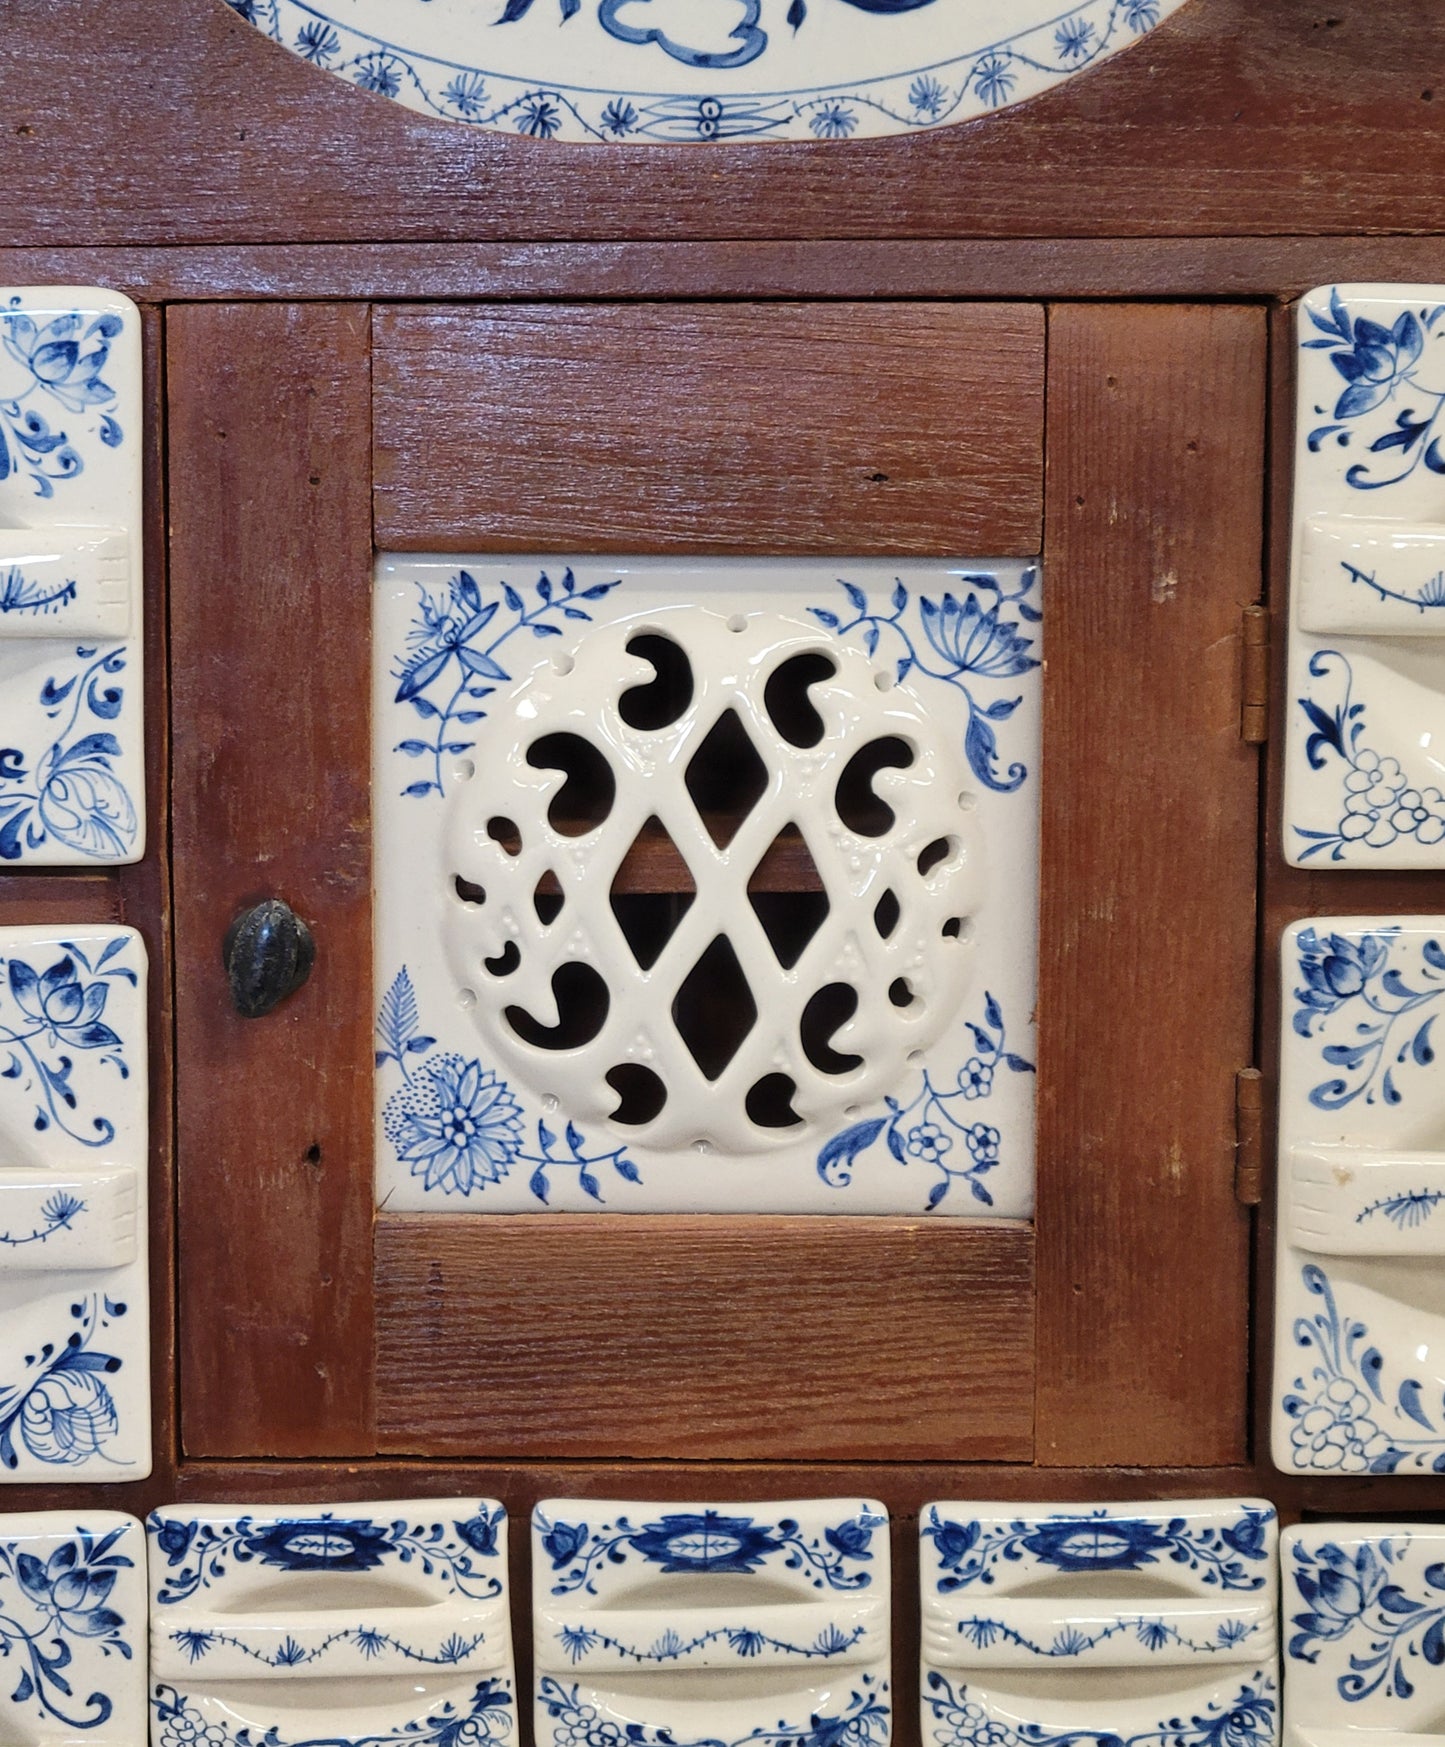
[
  {"x": 619, "y": 118},
  {"x": 1075, "y": 38},
  {"x": 833, "y": 121},
  {"x": 67, "y": 1010},
  {"x": 320, "y": 1544},
  {"x": 1246, "y": 1719},
  {"x": 853, "y": 1538},
  {"x": 976, "y": 639},
  {"x": 64, "y": 356},
  {"x": 1249, "y": 1535},
  {"x": 467, "y": 94},
  {"x": 976, "y": 1078},
  {"x": 539, "y": 117},
  {"x": 61, "y": 1602},
  {"x": 983, "y": 1142},
  {"x": 927, "y": 1141},
  {"x": 1337, "y": 1589},
  {"x": 1378, "y": 360},
  {"x": 927, "y": 95},
  {"x": 1335, "y": 970},
  {"x": 994, "y": 79},
  {"x": 174, "y": 1538},
  {"x": 1096, "y": 1543},
  {"x": 74, "y": 1585},
  {"x": 483, "y": 1720},
  {"x": 455, "y": 1123},
  {"x": 68, "y": 1417},
  {"x": 318, "y": 43},
  {"x": 705, "y": 1542},
  {"x": 381, "y": 73},
  {"x": 864, "y": 1721},
  {"x": 563, "y": 1542}
]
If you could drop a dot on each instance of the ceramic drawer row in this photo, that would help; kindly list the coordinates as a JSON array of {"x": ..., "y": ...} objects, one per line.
[{"x": 658, "y": 1625}]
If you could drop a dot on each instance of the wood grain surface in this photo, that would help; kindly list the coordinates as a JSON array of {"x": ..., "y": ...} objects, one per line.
[
  {"x": 1154, "y": 528},
  {"x": 271, "y": 607},
  {"x": 176, "y": 122},
  {"x": 705, "y": 1337},
  {"x": 849, "y": 429}
]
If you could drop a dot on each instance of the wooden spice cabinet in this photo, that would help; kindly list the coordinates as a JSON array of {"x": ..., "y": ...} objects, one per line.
[{"x": 1064, "y": 330}]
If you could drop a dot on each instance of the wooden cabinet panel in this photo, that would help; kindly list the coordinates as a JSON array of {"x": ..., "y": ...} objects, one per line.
[
  {"x": 271, "y": 564},
  {"x": 848, "y": 429},
  {"x": 1153, "y": 548},
  {"x": 772, "y": 1339}
]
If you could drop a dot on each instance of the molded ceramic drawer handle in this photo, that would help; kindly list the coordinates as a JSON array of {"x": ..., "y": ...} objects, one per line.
[
  {"x": 1008, "y": 1632},
  {"x": 1364, "y": 578},
  {"x": 54, "y": 1221},
  {"x": 642, "y": 1641},
  {"x": 458, "y": 1638},
  {"x": 65, "y": 582},
  {"x": 1354, "y": 1201}
]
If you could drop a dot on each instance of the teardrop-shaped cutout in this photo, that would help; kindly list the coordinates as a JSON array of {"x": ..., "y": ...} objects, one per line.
[
  {"x": 641, "y": 1093},
  {"x": 785, "y": 697},
  {"x": 859, "y": 807},
  {"x": 663, "y": 699},
  {"x": 769, "y": 1102},
  {"x": 582, "y": 1003},
  {"x": 828, "y": 1010},
  {"x": 585, "y": 798}
]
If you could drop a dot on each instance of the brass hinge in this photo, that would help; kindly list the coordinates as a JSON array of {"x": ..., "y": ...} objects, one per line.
[
  {"x": 1249, "y": 1137},
  {"x": 1254, "y": 691}
]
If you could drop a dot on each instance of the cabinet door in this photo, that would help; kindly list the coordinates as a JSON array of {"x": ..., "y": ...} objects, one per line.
[{"x": 1111, "y": 1329}]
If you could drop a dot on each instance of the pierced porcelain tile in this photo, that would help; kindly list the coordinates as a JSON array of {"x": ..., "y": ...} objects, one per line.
[
  {"x": 706, "y": 886},
  {"x": 1359, "y": 1361},
  {"x": 711, "y": 1625},
  {"x": 1365, "y": 752},
  {"x": 705, "y": 70},
  {"x": 1364, "y": 1611},
  {"x": 74, "y": 1308},
  {"x": 72, "y": 1629},
  {"x": 71, "y": 753},
  {"x": 377, "y": 1625},
  {"x": 1023, "y": 1605}
]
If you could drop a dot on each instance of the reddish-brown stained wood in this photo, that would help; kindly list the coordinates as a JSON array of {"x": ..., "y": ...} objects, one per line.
[
  {"x": 843, "y": 429},
  {"x": 701, "y": 1336},
  {"x": 175, "y": 121},
  {"x": 1154, "y": 524},
  {"x": 271, "y": 603}
]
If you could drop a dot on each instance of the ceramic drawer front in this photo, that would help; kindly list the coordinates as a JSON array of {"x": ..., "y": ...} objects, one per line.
[
  {"x": 1363, "y": 782},
  {"x": 72, "y": 1629},
  {"x": 1364, "y": 1611},
  {"x": 1359, "y": 1359},
  {"x": 383, "y": 1622},
  {"x": 74, "y": 1298},
  {"x": 711, "y": 1622},
  {"x": 72, "y": 765},
  {"x": 1024, "y": 1608},
  {"x": 689, "y": 861}
]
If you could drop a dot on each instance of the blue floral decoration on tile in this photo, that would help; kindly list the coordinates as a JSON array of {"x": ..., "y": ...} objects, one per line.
[
  {"x": 52, "y": 1608},
  {"x": 1248, "y": 1719},
  {"x": 373, "y": 1643},
  {"x": 198, "y": 1553},
  {"x": 1377, "y": 1011},
  {"x": 451, "y": 666},
  {"x": 1149, "y": 1631},
  {"x": 63, "y": 1412},
  {"x": 1378, "y": 805},
  {"x": 71, "y": 792},
  {"x": 1095, "y": 1542},
  {"x": 483, "y": 1719},
  {"x": 1349, "y": 1418},
  {"x": 969, "y": 84},
  {"x": 709, "y": 1543},
  {"x": 58, "y": 1213},
  {"x": 1379, "y": 367},
  {"x": 929, "y": 1127},
  {"x": 1363, "y": 1599},
  {"x": 457, "y": 1124},
  {"x": 64, "y": 358},
  {"x": 864, "y": 1721}
]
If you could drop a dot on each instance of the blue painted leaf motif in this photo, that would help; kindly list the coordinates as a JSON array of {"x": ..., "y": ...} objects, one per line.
[
  {"x": 838, "y": 1156},
  {"x": 1409, "y": 1394},
  {"x": 824, "y": 617},
  {"x": 991, "y": 1012},
  {"x": 537, "y": 1183},
  {"x": 855, "y": 595},
  {"x": 937, "y": 1193},
  {"x": 1432, "y": 1645},
  {"x": 416, "y": 679},
  {"x": 625, "y": 1168},
  {"x": 1420, "y": 1046},
  {"x": 589, "y": 1184}
]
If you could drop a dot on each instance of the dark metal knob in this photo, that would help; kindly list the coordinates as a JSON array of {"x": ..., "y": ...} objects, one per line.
[{"x": 268, "y": 953}]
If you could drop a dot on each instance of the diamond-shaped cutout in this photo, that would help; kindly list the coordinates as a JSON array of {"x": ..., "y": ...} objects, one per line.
[
  {"x": 726, "y": 778},
  {"x": 652, "y": 891},
  {"x": 714, "y": 1009},
  {"x": 787, "y": 896}
]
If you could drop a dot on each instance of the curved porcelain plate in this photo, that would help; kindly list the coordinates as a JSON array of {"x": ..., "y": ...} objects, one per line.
[{"x": 701, "y": 70}]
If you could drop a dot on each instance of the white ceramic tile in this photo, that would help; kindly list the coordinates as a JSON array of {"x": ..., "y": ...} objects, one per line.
[
  {"x": 1365, "y": 728},
  {"x": 1364, "y": 1613},
  {"x": 367, "y": 1625},
  {"x": 1144, "y": 1625},
  {"x": 927, "y": 1105},
  {"x": 683, "y": 70},
  {"x": 74, "y": 1305},
  {"x": 72, "y": 1629},
  {"x": 711, "y": 1625},
  {"x": 72, "y": 759},
  {"x": 1359, "y": 1360}
]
